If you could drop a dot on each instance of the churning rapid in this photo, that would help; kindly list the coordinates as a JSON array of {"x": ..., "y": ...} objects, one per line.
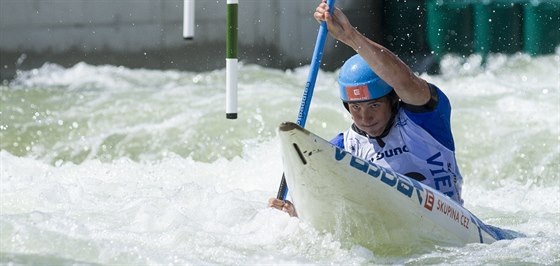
[{"x": 109, "y": 165}]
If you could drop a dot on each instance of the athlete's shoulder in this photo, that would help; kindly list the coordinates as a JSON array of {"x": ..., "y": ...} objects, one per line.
[
  {"x": 338, "y": 140},
  {"x": 434, "y": 117},
  {"x": 438, "y": 99}
]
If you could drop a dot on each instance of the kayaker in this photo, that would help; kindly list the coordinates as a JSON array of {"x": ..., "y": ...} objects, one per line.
[{"x": 401, "y": 121}]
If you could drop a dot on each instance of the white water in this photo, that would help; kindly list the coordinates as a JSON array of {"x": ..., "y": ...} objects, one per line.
[{"x": 107, "y": 165}]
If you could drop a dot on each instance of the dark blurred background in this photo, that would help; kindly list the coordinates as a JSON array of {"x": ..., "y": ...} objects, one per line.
[{"x": 272, "y": 33}]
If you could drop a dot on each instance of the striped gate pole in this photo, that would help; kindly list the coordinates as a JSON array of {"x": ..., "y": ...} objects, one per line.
[{"x": 231, "y": 60}]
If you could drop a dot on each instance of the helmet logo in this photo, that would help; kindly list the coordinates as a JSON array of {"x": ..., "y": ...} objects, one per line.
[{"x": 357, "y": 93}]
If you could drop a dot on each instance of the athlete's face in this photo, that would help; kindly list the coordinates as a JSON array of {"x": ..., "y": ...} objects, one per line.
[{"x": 371, "y": 116}]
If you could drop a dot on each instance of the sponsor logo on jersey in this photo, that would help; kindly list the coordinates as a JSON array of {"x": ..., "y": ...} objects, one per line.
[{"x": 389, "y": 153}]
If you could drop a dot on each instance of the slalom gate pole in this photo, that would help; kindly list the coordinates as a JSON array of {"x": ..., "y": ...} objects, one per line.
[
  {"x": 188, "y": 19},
  {"x": 231, "y": 59}
]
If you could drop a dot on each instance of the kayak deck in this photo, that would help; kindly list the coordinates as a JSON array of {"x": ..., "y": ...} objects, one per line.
[{"x": 368, "y": 204}]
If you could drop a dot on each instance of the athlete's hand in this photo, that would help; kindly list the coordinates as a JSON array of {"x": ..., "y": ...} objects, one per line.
[
  {"x": 285, "y": 206},
  {"x": 337, "y": 23}
]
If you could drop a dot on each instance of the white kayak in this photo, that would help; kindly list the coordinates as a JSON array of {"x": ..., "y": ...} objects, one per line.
[{"x": 369, "y": 205}]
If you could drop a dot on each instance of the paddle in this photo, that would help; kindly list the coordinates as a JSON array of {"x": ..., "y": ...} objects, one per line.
[{"x": 309, "y": 86}]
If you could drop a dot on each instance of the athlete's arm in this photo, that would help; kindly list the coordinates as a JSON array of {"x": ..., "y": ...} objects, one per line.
[{"x": 410, "y": 88}]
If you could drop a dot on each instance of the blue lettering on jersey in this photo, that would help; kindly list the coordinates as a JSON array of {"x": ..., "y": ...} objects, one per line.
[{"x": 441, "y": 177}]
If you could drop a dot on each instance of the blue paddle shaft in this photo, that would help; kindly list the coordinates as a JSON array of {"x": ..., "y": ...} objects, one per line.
[
  {"x": 309, "y": 87},
  {"x": 314, "y": 70}
]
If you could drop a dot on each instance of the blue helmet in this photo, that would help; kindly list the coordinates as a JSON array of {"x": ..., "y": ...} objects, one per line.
[{"x": 359, "y": 83}]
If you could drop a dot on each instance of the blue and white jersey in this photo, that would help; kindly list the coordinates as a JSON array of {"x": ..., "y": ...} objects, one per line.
[{"x": 419, "y": 145}]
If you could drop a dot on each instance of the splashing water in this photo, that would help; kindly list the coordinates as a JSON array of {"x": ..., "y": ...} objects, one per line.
[{"x": 108, "y": 165}]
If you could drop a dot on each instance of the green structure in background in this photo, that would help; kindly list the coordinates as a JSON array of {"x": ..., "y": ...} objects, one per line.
[
  {"x": 542, "y": 27},
  {"x": 497, "y": 28},
  {"x": 500, "y": 26},
  {"x": 403, "y": 30},
  {"x": 450, "y": 27}
]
